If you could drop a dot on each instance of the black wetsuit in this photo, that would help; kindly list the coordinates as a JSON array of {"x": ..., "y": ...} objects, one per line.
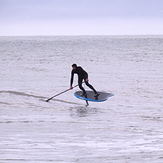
[{"x": 81, "y": 75}]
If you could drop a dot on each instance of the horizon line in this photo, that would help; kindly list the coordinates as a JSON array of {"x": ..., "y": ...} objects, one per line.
[{"x": 81, "y": 35}]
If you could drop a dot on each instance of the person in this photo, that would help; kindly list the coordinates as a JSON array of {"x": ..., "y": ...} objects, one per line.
[{"x": 82, "y": 75}]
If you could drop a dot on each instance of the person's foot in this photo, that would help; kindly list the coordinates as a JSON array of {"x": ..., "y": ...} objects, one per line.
[
  {"x": 96, "y": 94},
  {"x": 84, "y": 94}
]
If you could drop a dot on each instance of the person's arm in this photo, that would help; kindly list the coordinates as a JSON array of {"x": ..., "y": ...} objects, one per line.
[{"x": 72, "y": 78}]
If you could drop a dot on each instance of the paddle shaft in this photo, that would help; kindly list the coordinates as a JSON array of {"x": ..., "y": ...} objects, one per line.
[{"x": 60, "y": 93}]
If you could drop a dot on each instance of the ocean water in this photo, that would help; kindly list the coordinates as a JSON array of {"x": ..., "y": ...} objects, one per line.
[{"x": 127, "y": 128}]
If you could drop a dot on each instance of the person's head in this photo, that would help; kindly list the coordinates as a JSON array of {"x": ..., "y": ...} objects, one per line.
[{"x": 74, "y": 66}]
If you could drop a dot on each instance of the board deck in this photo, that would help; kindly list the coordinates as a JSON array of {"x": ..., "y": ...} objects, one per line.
[{"x": 91, "y": 96}]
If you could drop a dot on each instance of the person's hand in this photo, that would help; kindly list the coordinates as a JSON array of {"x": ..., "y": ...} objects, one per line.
[
  {"x": 71, "y": 87},
  {"x": 86, "y": 80}
]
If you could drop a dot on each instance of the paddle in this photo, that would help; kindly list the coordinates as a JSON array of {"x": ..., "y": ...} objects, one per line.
[{"x": 60, "y": 93}]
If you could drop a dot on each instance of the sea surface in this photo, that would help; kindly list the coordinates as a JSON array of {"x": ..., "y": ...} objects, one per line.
[{"x": 127, "y": 128}]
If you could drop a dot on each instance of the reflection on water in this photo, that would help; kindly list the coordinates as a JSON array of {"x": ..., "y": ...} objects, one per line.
[{"x": 82, "y": 111}]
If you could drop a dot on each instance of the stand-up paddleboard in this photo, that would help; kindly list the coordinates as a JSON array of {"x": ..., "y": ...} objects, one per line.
[{"x": 90, "y": 96}]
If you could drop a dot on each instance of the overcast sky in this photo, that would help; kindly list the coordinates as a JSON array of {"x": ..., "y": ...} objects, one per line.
[{"x": 81, "y": 17}]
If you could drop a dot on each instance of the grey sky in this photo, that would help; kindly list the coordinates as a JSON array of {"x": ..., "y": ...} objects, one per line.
[{"x": 81, "y": 17}]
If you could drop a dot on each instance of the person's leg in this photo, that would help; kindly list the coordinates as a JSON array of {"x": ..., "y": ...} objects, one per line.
[
  {"x": 80, "y": 85},
  {"x": 90, "y": 86}
]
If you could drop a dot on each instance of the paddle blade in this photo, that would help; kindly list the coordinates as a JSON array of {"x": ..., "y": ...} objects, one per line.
[{"x": 49, "y": 99}]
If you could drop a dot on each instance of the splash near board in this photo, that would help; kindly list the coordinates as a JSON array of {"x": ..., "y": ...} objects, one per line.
[{"x": 90, "y": 96}]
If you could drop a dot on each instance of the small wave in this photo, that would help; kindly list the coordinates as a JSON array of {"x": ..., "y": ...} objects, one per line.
[
  {"x": 21, "y": 94},
  {"x": 5, "y": 103},
  {"x": 41, "y": 98}
]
